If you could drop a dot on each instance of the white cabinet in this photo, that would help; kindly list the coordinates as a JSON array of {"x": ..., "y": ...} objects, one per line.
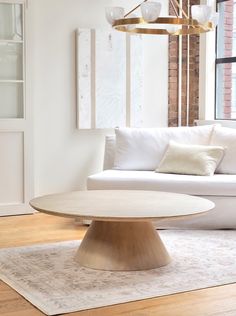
[
  {"x": 12, "y": 60},
  {"x": 15, "y": 173}
]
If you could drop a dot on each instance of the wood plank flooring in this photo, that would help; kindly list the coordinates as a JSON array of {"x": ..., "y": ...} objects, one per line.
[{"x": 41, "y": 228}]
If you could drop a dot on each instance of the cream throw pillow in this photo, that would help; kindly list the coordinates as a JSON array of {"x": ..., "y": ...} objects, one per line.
[{"x": 191, "y": 159}]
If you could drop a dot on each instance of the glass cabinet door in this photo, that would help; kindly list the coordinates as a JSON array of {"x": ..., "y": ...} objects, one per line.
[{"x": 11, "y": 61}]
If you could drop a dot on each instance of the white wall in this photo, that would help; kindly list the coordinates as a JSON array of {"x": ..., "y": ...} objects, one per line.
[{"x": 64, "y": 156}]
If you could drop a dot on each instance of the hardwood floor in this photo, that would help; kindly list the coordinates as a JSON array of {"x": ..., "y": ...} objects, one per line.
[{"x": 41, "y": 228}]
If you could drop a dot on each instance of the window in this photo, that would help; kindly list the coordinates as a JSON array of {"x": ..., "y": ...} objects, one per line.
[{"x": 226, "y": 60}]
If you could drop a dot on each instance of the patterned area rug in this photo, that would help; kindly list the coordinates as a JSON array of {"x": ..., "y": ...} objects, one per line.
[{"x": 49, "y": 278}]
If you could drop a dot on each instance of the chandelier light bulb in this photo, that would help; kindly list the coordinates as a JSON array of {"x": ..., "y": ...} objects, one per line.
[
  {"x": 172, "y": 29},
  {"x": 150, "y": 11},
  {"x": 131, "y": 27},
  {"x": 114, "y": 13},
  {"x": 201, "y": 13}
]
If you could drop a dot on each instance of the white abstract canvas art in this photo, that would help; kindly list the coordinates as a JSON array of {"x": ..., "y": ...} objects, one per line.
[
  {"x": 84, "y": 76},
  {"x": 136, "y": 81},
  {"x": 109, "y": 79}
]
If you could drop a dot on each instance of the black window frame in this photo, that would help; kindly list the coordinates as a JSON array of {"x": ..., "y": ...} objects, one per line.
[{"x": 221, "y": 60}]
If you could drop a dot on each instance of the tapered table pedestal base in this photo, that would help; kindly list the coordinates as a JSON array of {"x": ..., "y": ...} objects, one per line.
[{"x": 122, "y": 246}]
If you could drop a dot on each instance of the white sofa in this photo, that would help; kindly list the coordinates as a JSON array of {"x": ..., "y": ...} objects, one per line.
[{"x": 219, "y": 188}]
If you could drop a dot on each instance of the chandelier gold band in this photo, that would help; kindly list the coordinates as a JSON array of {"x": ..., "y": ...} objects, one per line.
[{"x": 191, "y": 26}]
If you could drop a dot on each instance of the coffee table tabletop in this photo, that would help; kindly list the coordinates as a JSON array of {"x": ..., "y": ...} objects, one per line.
[
  {"x": 121, "y": 205},
  {"x": 121, "y": 236}
]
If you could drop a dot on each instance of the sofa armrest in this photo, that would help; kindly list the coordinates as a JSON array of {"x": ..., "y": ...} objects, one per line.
[{"x": 109, "y": 154}]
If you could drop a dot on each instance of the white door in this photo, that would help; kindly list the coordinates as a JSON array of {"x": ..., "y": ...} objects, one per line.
[{"x": 15, "y": 160}]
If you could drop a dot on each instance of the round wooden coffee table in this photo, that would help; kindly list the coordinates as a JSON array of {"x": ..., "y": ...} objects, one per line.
[{"x": 121, "y": 236}]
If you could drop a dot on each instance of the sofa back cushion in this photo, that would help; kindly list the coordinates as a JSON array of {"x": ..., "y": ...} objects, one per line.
[
  {"x": 143, "y": 148},
  {"x": 225, "y": 136}
]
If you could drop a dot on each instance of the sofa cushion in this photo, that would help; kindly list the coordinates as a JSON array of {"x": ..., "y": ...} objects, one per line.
[
  {"x": 191, "y": 159},
  {"x": 143, "y": 148},
  {"x": 219, "y": 184},
  {"x": 224, "y": 136}
]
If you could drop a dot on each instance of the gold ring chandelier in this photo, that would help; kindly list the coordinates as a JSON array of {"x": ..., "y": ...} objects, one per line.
[{"x": 203, "y": 19}]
